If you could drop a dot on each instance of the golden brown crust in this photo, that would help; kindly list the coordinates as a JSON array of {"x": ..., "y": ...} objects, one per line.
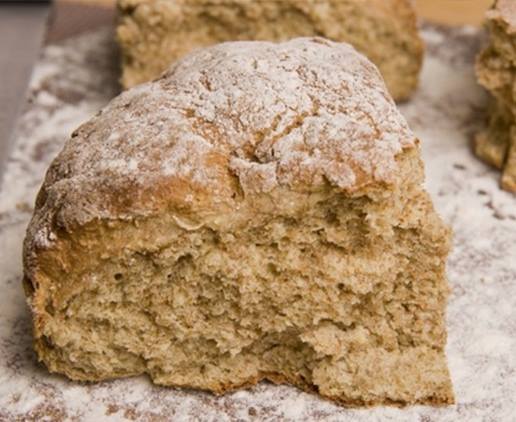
[
  {"x": 123, "y": 163},
  {"x": 496, "y": 71},
  {"x": 505, "y": 12},
  {"x": 153, "y": 33},
  {"x": 244, "y": 178}
]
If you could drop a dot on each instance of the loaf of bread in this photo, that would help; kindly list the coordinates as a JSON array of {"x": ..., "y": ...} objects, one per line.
[
  {"x": 496, "y": 71},
  {"x": 255, "y": 213},
  {"x": 153, "y": 33}
]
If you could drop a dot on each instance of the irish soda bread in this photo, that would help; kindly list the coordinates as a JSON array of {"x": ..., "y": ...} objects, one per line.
[
  {"x": 153, "y": 33},
  {"x": 255, "y": 213},
  {"x": 496, "y": 71}
]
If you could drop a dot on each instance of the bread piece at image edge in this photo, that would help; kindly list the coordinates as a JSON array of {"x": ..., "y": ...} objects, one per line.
[
  {"x": 154, "y": 33},
  {"x": 496, "y": 71},
  {"x": 256, "y": 213}
]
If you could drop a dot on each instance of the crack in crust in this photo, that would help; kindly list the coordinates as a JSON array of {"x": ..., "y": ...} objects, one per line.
[
  {"x": 257, "y": 210},
  {"x": 299, "y": 114}
]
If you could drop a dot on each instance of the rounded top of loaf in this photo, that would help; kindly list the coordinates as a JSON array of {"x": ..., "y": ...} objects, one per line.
[{"x": 226, "y": 124}]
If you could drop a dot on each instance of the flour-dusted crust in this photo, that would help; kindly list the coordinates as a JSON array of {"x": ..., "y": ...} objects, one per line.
[
  {"x": 504, "y": 11},
  {"x": 74, "y": 78},
  {"x": 255, "y": 213},
  {"x": 496, "y": 71},
  {"x": 248, "y": 116},
  {"x": 154, "y": 33}
]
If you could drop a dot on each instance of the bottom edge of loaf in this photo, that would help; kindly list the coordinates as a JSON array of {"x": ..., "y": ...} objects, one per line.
[
  {"x": 494, "y": 152},
  {"x": 440, "y": 398}
]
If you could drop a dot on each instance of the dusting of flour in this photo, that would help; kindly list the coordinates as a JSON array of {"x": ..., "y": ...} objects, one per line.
[
  {"x": 296, "y": 114},
  {"x": 74, "y": 79}
]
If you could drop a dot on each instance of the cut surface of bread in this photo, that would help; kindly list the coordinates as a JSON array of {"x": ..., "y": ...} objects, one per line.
[
  {"x": 256, "y": 213},
  {"x": 154, "y": 33},
  {"x": 496, "y": 71}
]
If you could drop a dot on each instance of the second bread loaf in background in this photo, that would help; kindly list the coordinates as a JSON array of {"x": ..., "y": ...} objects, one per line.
[{"x": 153, "y": 33}]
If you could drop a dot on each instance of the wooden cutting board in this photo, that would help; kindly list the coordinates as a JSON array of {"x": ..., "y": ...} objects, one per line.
[
  {"x": 72, "y": 17},
  {"x": 452, "y": 12}
]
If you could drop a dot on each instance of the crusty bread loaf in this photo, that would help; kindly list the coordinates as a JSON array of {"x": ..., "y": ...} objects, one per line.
[
  {"x": 153, "y": 33},
  {"x": 255, "y": 213},
  {"x": 496, "y": 71}
]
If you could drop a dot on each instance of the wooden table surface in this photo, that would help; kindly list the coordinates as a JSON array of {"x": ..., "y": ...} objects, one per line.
[
  {"x": 453, "y": 12},
  {"x": 71, "y": 17}
]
